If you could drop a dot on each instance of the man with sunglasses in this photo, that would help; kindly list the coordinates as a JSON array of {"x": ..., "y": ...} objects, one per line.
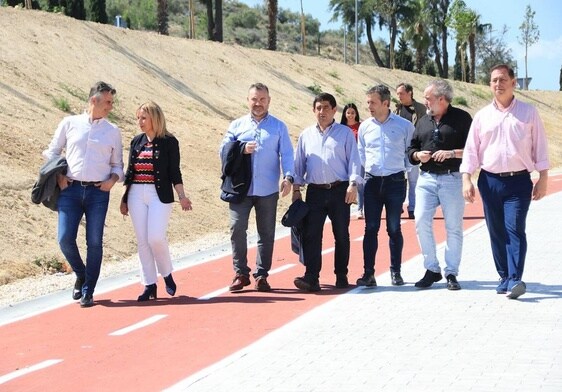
[
  {"x": 94, "y": 153},
  {"x": 437, "y": 145}
]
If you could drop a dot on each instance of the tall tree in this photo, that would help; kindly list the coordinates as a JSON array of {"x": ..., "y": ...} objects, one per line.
[
  {"x": 97, "y": 11},
  {"x": 214, "y": 20},
  {"x": 403, "y": 56},
  {"x": 492, "y": 50},
  {"x": 460, "y": 21},
  {"x": 75, "y": 9},
  {"x": 345, "y": 9},
  {"x": 530, "y": 34},
  {"x": 416, "y": 30},
  {"x": 272, "y": 28},
  {"x": 303, "y": 31},
  {"x": 162, "y": 17},
  {"x": 475, "y": 29},
  {"x": 439, "y": 33}
]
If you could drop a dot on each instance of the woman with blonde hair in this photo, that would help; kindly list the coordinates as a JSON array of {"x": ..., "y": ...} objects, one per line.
[{"x": 153, "y": 173}]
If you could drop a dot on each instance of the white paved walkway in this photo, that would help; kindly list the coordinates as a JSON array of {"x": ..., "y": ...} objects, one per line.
[{"x": 404, "y": 339}]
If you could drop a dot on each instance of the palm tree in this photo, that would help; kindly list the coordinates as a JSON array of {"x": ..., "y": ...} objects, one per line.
[
  {"x": 272, "y": 29},
  {"x": 416, "y": 30}
]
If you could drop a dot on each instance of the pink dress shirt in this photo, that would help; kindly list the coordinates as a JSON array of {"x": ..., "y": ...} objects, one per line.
[{"x": 506, "y": 140}]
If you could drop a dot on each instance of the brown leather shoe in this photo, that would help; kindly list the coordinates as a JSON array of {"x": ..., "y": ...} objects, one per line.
[
  {"x": 239, "y": 282},
  {"x": 262, "y": 285}
]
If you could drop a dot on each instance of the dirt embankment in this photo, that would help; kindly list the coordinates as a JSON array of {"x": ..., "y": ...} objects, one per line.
[{"x": 47, "y": 58}]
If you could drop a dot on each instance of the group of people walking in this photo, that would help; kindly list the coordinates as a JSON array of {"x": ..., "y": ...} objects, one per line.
[{"x": 426, "y": 153}]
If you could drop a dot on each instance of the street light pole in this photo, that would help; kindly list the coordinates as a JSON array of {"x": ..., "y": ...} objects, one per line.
[{"x": 356, "y": 37}]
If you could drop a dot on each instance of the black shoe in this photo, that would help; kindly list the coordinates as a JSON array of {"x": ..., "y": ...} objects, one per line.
[
  {"x": 396, "y": 279},
  {"x": 342, "y": 282},
  {"x": 149, "y": 292},
  {"x": 428, "y": 279},
  {"x": 170, "y": 285},
  {"x": 411, "y": 215},
  {"x": 86, "y": 301},
  {"x": 367, "y": 280},
  {"x": 303, "y": 284},
  {"x": 77, "y": 291},
  {"x": 452, "y": 283}
]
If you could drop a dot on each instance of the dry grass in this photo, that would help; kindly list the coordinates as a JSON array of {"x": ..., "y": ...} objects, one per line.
[{"x": 47, "y": 58}]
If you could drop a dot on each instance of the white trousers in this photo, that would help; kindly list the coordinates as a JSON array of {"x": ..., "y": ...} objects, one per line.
[{"x": 150, "y": 219}]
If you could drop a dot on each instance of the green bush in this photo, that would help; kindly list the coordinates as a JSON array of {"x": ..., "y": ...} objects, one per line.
[
  {"x": 460, "y": 101},
  {"x": 62, "y": 104},
  {"x": 315, "y": 88}
]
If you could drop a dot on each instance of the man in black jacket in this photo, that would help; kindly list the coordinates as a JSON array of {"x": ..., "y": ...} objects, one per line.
[{"x": 437, "y": 145}]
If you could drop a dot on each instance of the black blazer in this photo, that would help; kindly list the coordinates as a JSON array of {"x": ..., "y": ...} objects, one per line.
[{"x": 167, "y": 171}]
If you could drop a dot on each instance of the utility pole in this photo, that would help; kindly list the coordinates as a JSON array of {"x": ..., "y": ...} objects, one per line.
[{"x": 356, "y": 36}]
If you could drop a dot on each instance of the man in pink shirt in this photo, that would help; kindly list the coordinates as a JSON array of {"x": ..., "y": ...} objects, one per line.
[{"x": 507, "y": 141}]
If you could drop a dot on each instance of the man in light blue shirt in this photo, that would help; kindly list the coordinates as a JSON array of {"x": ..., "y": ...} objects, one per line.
[
  {"x": 267, "y": 139},
  {"x": 382, "y": 142},
  {"x": 327, "y": 160}
]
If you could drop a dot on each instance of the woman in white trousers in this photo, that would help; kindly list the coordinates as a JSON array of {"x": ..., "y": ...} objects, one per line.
[{"x": 152, "y": 174}]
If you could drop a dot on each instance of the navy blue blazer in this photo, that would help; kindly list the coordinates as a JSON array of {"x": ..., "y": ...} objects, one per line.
[{"x": 167, "y": 171}]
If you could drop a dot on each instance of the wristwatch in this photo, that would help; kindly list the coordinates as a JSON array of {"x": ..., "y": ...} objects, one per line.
[{"x": 290, "y": 179}]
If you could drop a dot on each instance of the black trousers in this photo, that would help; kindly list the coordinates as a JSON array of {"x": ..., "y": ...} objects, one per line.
[{"x": 326, "y": 203}]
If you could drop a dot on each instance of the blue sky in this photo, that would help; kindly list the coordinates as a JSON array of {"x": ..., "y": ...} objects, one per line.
[{"x": 544, "y": 57}]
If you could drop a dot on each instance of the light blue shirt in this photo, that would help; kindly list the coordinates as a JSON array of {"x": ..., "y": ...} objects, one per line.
[
  {"x": 382, "y": 146},
  {"x": 327, "y": 157},
  {"x": 273, "y": 154}
]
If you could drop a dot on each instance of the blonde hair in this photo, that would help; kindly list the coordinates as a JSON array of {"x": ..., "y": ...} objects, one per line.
[{"x": 156, "y": 116}]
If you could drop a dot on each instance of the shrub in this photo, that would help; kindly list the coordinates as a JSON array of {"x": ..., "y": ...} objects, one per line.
[
  {"x": 460, "y": 101},
  {"x": 315, "y": 88},
  {"x": 62, "y": 104}
]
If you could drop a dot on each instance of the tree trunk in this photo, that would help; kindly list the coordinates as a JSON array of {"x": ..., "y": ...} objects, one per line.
[
  {"x": 472, "y": 50},
  {"x": 272, "y": 29},
  {"x": 372, "y": 46},
  {"x": 218, "y": 21},
  {"x": 210, "y": 20}
]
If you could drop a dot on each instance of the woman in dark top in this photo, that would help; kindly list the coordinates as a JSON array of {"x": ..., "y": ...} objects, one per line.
[
  {"x": 152, "y": 174},
  {"x": 350, "y": 117}
]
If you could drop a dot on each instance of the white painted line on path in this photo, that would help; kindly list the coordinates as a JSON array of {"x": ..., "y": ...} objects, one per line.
[
  {"x": 223, "y": 290},
  {"x": 22, "y": 372},
  {"x": 139, "y": 325}
]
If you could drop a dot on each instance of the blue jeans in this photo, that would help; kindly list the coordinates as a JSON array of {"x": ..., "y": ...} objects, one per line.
[
  {"x": 388, "y": 192},
  {"x": 75, "y": 202},
  {"x": 445, "y": 190},
  {"x": 324, "y": 203},
  {"x": 506, "y": 203},
  {"x": 413, "y": 176},
  {"x": 266, "y": 212}
]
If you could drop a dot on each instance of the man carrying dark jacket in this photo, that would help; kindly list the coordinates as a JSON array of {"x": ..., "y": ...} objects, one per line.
[{"x": 266, "y": 139}]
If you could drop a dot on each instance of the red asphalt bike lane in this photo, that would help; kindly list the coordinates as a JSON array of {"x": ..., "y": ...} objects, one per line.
[{"x": 92, "y": 349}]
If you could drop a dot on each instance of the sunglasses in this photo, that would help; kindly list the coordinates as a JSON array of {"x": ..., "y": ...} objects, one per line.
[
  {"x": 102, "y": 87},
  {"x": 435, "y": 136}
]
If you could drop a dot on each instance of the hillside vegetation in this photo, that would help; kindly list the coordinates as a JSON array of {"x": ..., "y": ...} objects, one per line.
[{"x": 49, "y": 61}]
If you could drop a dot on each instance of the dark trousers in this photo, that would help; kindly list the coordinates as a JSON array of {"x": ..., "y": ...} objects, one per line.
[
  {"x": 506, "y": 203},
  {"x": 386, "y": 192},
  {"x": 326, "y": 203}
]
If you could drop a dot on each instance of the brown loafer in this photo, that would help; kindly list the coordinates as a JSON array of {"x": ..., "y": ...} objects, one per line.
[
  {"x": 239, "y": 282},
  {"x": 262, "y": 285}
]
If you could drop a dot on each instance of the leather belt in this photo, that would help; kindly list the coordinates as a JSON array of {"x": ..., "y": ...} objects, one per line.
[
  {"x": 398, "y": 174},
  {"x": 326, "y": 186},
  {"x": 85, "y": 183},
  {"x": 448, "y": 171},
  {"x": 511, "y": 174}
]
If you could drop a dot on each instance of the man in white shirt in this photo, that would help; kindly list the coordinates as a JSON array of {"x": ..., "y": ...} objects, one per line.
[{"x": 94, "y": 153}]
